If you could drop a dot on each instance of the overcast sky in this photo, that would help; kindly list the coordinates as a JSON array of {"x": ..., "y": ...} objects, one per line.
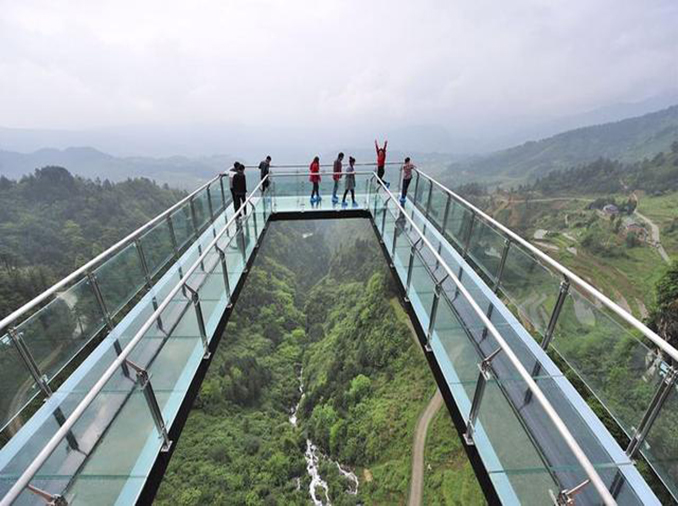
[{"x": 455, "y": 63}]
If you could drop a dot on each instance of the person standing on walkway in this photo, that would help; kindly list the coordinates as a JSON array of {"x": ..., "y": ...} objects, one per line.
[
  {"x": 406, "y": 169},
  {"x": 240, "y": 189},
  {"x": 336, "y": 176},
  {"x": 264, "y": 169},
  {"x": 349, "y": 185},
  {"x": 381, "y": 161},
  {"x": 231, "y": 174},
  {"x": 314, "y": 178}
]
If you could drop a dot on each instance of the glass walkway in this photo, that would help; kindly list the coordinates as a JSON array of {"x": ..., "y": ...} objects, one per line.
[{"x": 97, "y": 374}]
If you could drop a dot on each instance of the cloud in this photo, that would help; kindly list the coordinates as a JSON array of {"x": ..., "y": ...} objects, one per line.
[{"x": 461, "y": 64}]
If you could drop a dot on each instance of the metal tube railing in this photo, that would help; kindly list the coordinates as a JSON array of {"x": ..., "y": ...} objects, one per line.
[
  {"x": 571, "y": 276},
  {"x": 82, "y": 271},
  {"x": 79, "y": 410},
  {"x": 550, "y": 411}
]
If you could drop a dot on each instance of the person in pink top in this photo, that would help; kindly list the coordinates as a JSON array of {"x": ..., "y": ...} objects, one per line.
[
  {"x": 381, "y": 161},
  {"x": 407, "y": 169},
  {"x": 314, "y": 178}
]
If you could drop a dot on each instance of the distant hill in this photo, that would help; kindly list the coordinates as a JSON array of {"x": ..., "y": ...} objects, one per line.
[
  {"x": 628, "y": 140},
  {"x": 176, "y": 171}
]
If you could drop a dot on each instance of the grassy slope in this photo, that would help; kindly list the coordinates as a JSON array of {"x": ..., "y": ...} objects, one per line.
[{"x": 449, "y": 480}]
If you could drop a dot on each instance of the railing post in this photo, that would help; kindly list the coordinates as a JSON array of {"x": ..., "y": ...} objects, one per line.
[
  {"x": 447, "y": 213},
  {"x": 223, "y": 193},
  {"x": 469, "y": 233},
  {"x": 194, "y": 218},
  {"x": 224, "y": 268},
  {"x": 209, "y": 204},
  {"x": 383, "y": 223},
  {"x": 434, "y": 313},
  {"x": 410, "y": 266},
  {"x": 29, "y": 361},
  {"x": 416, "y": 190},
  {"x": 652, "y": 412},
  {"x": 94, "y": 283},
  {"x": 254, "y": 215},
  {"x": 502, "y": 264},
  {"x": 195, "y": 299},
  {"x": 146, "y": 387},
  {"x": 428, "y": 199},
  {"x": 395, "y": 238},
  {"x": 173, "y": 237},
  {"x": 567, "y": 497},
  {"x": 483, "y": 377},
  {"x": 562, "y": 295},
  {"x": 50, "y": 499},
  {"x": 144, "y": 265}
]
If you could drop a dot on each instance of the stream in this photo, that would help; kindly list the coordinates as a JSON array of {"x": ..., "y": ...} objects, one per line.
[{"x": 312, "y": 456}]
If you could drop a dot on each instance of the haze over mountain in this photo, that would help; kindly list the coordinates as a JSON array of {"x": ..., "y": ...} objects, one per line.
[{"x": 628, "y": 140}]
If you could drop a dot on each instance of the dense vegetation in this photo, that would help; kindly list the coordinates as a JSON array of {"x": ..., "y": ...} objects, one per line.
[
  {"x": 317, "y": 300},
  {"x": 51, "y": 222},
  {"x": 655, "y": 175}
]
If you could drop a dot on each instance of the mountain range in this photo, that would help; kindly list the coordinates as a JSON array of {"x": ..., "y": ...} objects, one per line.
[{"x": 627, "y": 140}]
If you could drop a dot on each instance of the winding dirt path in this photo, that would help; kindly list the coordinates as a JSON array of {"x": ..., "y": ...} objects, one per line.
[
  {"x": 417, "y": 480},
  {"x": 655, "y": 237}
]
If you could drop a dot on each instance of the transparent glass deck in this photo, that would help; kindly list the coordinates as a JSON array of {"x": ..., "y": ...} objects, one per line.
[{"x": 165, "y": 329}]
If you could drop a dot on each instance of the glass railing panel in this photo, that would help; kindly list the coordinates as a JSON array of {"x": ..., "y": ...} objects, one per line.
[
  {"x": 157, "y": 247},
  {"x": 201, "y": 209},
  {"x": 421, "y": 191},
  {"x": 531, "y": 288},
  {"x": 421, "y": 290},
  {"x": 506, "y": 447},
  {"x": 619, "y": 369},
  {"x": 120, "y": 278},
  {"x": 58, "y": 331},
  {"x": 215, "y": 198},
  {"x": 458, "y": 222},
  {"x": 661, "y": 445},
  {"x": 437, "y": 208},
  {"x": 17, "y": 387},
  {"x": 485, "y": 248},
  {"x": 182, "y": 223}
]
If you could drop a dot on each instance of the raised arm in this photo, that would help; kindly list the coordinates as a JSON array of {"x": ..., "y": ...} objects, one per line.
[
  {"x": 376, "y": 145},
  {"x": 385, "y": 144}
]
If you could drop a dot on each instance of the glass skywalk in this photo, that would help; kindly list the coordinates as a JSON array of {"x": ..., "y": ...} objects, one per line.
[{"x": 488, "y": 307}]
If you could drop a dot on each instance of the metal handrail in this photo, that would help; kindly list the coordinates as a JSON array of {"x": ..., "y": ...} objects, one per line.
[
  {"x": 571, "y": 276},
  {"x": 98, "y": 259},
  {"x": 67, "y": 425},
  {"x": 531, "y": 384}
]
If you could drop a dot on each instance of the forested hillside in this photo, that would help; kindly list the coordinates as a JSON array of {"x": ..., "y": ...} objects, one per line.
[
  {"x": 51, "y": 222},
  {"x": 629, "y": 140},
  {"x": 317, "y": 383}
]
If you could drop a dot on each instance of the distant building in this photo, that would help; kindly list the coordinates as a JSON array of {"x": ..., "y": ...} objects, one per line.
[
  {"x": 637, "y": 229},
  {"x": 611, "y": 209}
]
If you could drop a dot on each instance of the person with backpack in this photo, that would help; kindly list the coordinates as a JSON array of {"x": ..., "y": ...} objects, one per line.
[
  {"x": 264, "y": 169},
  {"x": 381, "y": 161},
  {"x": 349, "y": 185},
  {"x": 406, "y": 169},
  {"x": 240, "y": 189},
  {"x": 336, "y": 176},
  {"x": 314, "y": 178}
]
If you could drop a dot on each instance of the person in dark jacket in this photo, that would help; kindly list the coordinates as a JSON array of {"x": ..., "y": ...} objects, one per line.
[
  {"x": 240, "y": 189},
  {"x": 336, "y": 176},
  {"x": 264, "y": 168},
  {"x": 314, "y": 178},
  {"x": 231, "y": 174}
]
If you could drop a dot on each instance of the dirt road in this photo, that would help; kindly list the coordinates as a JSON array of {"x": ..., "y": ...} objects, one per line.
[{"x": 417, "y": 480}]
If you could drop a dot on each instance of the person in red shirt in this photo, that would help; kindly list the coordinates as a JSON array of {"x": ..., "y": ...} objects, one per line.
[
  {"x": 381, "y": 161},
  {"x": 314, "y": 178}
]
